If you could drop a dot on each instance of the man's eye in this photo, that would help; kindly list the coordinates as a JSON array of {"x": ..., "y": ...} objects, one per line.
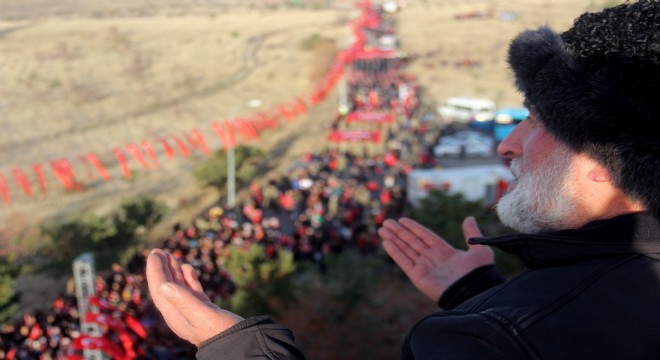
[{"x": 532, "y": 120}]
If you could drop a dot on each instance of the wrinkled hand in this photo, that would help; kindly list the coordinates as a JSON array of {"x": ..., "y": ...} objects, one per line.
[
  {"x": 179, "y": 296},
  {"x": 427, "y": 259}
]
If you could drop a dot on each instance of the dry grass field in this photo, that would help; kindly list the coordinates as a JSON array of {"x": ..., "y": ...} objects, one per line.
[{"x": 81, "y": 76}]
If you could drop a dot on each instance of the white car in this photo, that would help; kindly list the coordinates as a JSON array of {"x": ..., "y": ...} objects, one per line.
[{"x": 464, "y": 144}]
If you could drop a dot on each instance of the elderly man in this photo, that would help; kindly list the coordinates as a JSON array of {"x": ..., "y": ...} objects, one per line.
[{"x": 586, "y": 203}]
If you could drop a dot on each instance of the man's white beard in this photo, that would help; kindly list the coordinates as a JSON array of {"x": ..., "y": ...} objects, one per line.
[{"x": 541, "y": 199}]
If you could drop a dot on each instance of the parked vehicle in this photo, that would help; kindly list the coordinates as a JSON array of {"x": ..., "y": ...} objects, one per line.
[
  {"x": 467, "y": 110},
  {"x": 485, "y": 182},
  {"x": 506, "y": 119},
  {"x": 464, "y": 144}
]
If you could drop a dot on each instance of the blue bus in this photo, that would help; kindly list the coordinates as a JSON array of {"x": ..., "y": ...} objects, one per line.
[{"x": 506, "y": 119}]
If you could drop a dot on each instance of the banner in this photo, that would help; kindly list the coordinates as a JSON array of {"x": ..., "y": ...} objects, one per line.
[
  {"x": 370, "y": 117},
  {"x": 98, "y": 343},
  {"x": 4, "y": 191},
  {"x": 149, "y": 149},
  {"x": 64, "y": 173},
  {"x": 197, "y": 140},
  {"x": 169, "y": 152},
  {"x": 136, "y": 153},
  {"x": 22, "y": 181},
  {"x": 183, "y": 149},
  {"x": 354, "y": 136},
  {"x": 41, "y": 178},
  {"x": 94, "y": 160},
  {"x": 123, "y": 162}
]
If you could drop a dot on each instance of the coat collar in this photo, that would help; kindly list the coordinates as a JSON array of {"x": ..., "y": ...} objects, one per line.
[{"x": 629, "y": 234}]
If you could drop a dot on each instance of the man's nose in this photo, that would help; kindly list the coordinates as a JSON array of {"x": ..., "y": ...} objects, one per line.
[{"x": 511, "y": 146}]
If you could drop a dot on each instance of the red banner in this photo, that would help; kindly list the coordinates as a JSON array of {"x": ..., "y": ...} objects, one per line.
[
  {"x": 370, "y": 117},
  {"x": 99, "y": 343},
  {"x": 169, "y": 152},
  {"x": 149, "y": 149},
  {"x": 183, "y": 149},
  {"x": 4, "y": 191},
  {"x": 94, "y": 160},
  {"x": 123, "y": 162},
  {"x": 41, "y": 178},
  {"x": 136, "y": 153},
  {"x": 22, "y": 181},
  {"x": 354, "y": 136},
  {"x": 64, "y": 173},
  {"x": 197, "y": 140}
]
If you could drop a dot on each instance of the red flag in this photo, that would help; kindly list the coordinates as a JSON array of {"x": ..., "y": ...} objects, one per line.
[
  {"x": 169, "y": 152},
  {"x": 182, "y": 146},
  {"x": 22, "y": 180},
  {"x": 245, "y": 128},
  {"x": 123, "y": 162},
  {"x": 90, "y": 174},
  {"x": 39, "y": 171},
  {"x": 35, "y": 332},
  {"x": 96, "y": 162},
  {"x": 149, "y": 149},
  {"x": 231, "y": 136},
  {"x": 286, "y": 112},
  {"x": 4, "y": 191},
  {"x": 136, "y": 153},
  {"x": 99, "y": 343},
  {"x": 105, "y": 320},
  {"x": 101, "y": 303},
  {"x": 198, "y": 141},
  {"x": 300, "y": 106},
  {"x": 64, "y": 173},
  {"x": 136, "y": 326},
  {"x": 221, "y": 134}
]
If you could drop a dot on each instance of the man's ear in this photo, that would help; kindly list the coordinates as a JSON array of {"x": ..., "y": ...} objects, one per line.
[{"x": 599, "y": 174}]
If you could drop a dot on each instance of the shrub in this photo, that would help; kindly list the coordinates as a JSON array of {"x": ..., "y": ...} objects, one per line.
[{"x": 110, "y": 239}]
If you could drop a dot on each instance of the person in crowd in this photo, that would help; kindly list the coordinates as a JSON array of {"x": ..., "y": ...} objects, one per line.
[{"x": 586, "y": 203}]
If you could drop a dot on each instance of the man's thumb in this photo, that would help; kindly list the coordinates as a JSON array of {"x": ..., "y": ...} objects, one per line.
[{"x": 470, "y": 228}]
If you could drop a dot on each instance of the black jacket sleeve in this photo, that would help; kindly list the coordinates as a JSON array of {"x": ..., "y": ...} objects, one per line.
[
  {"x": 474, "y": 283},
  {"x": 253, "y": 338}
]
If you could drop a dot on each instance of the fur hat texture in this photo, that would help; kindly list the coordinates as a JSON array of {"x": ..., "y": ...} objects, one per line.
[{"x": 596, "y": 87}]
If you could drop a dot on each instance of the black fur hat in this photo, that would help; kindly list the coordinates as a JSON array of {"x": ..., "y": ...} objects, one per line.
[{"x": 596, "y": 87}]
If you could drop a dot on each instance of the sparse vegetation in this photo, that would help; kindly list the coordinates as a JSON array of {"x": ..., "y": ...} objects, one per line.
[
  {"x": 213, "y": 172},
  {"x": 111, "y": 239}
]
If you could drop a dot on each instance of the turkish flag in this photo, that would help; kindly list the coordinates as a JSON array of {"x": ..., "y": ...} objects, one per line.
[
  {"x": 96, "y": 162},
  {"x": 136, "y": 153},
  {"x": 181, "y": 145},
  {"x": 4, "y": 191},
  {"x": 149, "y": 149},
  {"x": 22, "y": 180},
  {"x": 39, "y": 172},
  {"x": 169, "y": 152},
  {"x": 97, "y": 343},
  {"x": 64, "y": 173},
  {"x": 123, "y": 162}
]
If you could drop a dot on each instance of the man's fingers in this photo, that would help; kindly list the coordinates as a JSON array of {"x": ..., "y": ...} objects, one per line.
[
  {"x": 175, "y": 269},
  {"x": 158, "y": 270},
  {"x": 428, "y": 237},
  {"x": 399, "y": 257},
  {"x": 190, "y": 276},
  {"x": 406, "y": 244}
]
